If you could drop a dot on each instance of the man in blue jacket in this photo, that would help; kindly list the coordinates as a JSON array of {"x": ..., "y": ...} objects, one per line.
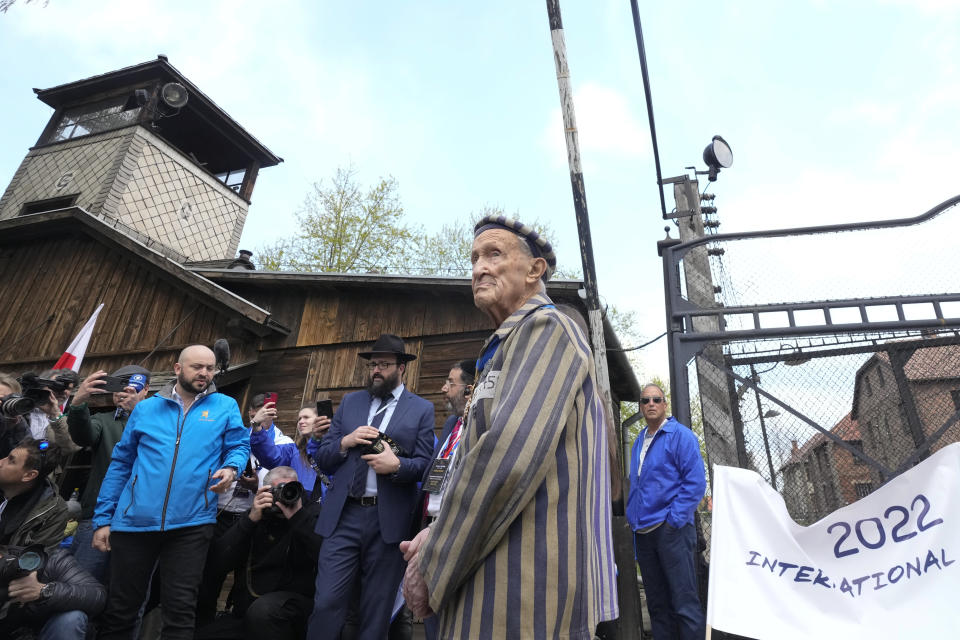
[
  {"x": 667, "y": 481},
  {"x": 368, "y": 510},
  {"x": 155, "y": 505}
]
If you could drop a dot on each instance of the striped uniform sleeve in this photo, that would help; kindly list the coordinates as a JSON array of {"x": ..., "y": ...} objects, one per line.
[{"x": 508, "y": 455}]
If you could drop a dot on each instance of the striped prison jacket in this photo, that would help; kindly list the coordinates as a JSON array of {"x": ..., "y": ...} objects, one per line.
[{"x": 522, "y": 546}]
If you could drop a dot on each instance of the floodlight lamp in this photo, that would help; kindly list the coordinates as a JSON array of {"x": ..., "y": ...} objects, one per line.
[
  {"x": 174, "y": 95},
  {"x": 717, "y": 155}
]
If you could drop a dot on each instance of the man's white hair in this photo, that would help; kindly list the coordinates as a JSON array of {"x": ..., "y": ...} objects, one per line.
[{"x": 280, "y": 473}]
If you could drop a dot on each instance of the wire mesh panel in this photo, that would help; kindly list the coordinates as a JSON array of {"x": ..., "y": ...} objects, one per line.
[
  {"x": 830, "y": 428},
  {"x": 827, "y": 360}
]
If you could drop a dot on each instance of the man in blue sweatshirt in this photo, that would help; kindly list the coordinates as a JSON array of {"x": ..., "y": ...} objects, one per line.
[
  {"x": 667, "y": 481},
  {"x": 155, "y": 505}
]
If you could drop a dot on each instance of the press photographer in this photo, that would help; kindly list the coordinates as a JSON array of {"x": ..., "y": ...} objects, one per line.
[
  {"x": 46, "y": 597},
  {"x": 278, "y": 550},
  {"x": 50, "y": 391},
  {"x": 13, "y": 407}
]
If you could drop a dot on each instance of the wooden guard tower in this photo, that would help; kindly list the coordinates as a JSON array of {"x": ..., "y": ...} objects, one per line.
[{"x": 145, "y": 151}]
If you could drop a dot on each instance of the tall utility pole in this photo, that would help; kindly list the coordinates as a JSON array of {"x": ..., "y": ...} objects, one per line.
[
  {"x": 715, "y": 404},
  {"x": 628, "y": 625},
  {"x": 594, "y": 315}
]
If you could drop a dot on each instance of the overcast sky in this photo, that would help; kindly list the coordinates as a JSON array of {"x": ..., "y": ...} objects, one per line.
[{"x": 836, "y": 111}]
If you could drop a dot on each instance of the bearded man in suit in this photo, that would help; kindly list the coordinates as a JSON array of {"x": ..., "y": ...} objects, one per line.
[{"x": 368, "y": 510}]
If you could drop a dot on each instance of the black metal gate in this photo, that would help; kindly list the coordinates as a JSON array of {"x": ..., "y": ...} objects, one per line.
[{"x": 825, "y": 358}]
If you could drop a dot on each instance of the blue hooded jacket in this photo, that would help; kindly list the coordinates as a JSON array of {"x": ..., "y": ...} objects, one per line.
[
  {"x": 672, "y": 481},
  {"x": 160, "y": 474}
]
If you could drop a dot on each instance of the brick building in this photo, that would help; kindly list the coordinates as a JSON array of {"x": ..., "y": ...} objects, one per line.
[
  {"x": 903, "y": 396},
  {"x": 900, "y": 407},
  {"x": 821, "y": 476}
]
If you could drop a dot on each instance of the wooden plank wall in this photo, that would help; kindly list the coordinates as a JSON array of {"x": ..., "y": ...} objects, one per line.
[
  {"x": 336, "y": 326},
  {"x": 67, "y": 277},
  {"x": 359, "y": 316},
  {"x": 438, "y": 355},
  {"x": 282, "y": 371},
  {"x": 285, "y": 304}
]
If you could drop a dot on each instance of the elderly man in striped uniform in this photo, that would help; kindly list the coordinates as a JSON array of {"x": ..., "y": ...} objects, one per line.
[{"x": 522, "y": 545}]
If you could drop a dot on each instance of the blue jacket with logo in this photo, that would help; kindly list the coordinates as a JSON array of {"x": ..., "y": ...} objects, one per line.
[
  {"x": 160, "y": 474},
  {"x": 672, "y": 481}
]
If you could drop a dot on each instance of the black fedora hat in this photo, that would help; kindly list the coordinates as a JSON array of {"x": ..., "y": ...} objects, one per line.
[{"x": 389, "y": 343}]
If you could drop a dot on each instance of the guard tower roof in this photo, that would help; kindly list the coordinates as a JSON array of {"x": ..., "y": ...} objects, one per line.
[{"x": 201, "y": 128}]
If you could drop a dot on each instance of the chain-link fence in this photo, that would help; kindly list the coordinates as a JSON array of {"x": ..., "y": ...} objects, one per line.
[
  {"x": 827, "y": 360},
  {"x": 827, "y": 428}
]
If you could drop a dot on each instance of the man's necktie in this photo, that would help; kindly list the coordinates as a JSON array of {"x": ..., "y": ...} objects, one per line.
[{"x": 359, "y": 484}]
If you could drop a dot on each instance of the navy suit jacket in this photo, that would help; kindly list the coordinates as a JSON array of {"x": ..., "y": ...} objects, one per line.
[{"x": 411, "y": 427}]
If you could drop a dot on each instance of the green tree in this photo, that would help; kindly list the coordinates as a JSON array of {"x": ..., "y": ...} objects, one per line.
[
  {"x": 447, "y": 251},
  {"x": 346, "y": 228}
]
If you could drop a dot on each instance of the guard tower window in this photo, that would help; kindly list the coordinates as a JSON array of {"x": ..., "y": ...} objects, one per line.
[
  {"x": 96, "y": 117},
  {"x": 50, "y": 204},
  {"x": 233, "y": 179}
]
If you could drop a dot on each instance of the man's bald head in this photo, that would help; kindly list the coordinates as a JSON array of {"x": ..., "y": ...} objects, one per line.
[
  {"x": 194, "y": 352},
  {"x": 194, "y": 369}
]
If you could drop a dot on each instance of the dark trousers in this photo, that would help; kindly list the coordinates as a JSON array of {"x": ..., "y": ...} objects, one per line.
[
  {"x": 281, "y": 615},
  {"x": 666, "y": 560},
  {"x": 179, "y": 555},
  {"x": 213, "y": 577},
  {"x": 356, "y": 547}
]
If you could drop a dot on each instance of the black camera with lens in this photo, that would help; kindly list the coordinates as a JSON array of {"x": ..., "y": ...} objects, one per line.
[
  {"x": 17, "y": 562},
  {"x": 379, "y": 445},
  {"x": 14, "y": 404},
  {"x": 287, "y": 494},
  {"x": 35, "y": 387}
]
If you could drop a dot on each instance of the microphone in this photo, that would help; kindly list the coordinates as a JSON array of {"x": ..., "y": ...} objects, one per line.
[{"x": 221, "y": 351}]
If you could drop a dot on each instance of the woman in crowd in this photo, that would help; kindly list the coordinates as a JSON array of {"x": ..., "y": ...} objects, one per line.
[{"x": 294, "y": 454}]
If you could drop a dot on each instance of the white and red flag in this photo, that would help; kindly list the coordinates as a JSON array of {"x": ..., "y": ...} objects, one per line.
[{"x": 73, "y": 356}]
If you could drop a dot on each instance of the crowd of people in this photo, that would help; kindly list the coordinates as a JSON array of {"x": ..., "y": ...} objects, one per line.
[{"x": 498, "y": 528}]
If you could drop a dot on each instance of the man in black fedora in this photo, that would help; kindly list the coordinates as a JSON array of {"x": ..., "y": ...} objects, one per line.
[{"x": 377, "y": 449}]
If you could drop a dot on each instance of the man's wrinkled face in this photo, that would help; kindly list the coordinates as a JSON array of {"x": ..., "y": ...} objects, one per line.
[
  {"x": 196, "y": 370},
  {"x": 500, "y": 273},
  {"x": 384, "y": 374}
]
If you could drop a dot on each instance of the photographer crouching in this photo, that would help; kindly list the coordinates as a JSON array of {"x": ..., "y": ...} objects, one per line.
[
  {"x": 47, "y": 597},
  {"x": 278, "y": 549}
]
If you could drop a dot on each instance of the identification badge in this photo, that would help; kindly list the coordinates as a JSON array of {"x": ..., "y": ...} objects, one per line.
[
  {"x": 436, "y": 475},
  {"x": 485, "y": 389}
]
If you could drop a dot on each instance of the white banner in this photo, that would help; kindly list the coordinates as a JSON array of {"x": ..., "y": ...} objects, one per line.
[{"x": 883, "y": 567}]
